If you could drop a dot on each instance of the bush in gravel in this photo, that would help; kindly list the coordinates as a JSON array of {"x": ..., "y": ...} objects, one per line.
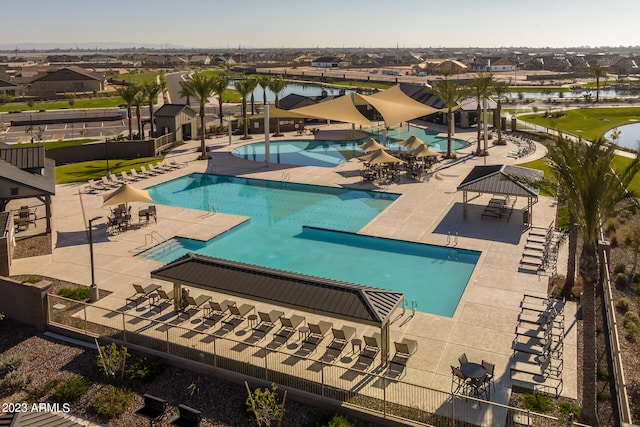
[
  {"x": 621, "y": 279},
  {"x": 566, "y": 408},
  {"x": 623, "y": 305},
  {"x": 38, "y": 393},
  {"x": 631, "y": 318},
  {"x": 78, "y": 294},
  {"x": 620, "y": 268},
  {"x": 145, "y": 369},
  {"x": 111, "y": 401},
  {"x": 112, "y": 361},
  {"x": 537, "y": 402},
  {"x": 70, "y": 390},
  {"x": 13, "y": 363},
  {"x": 335, "y": 420},
  {"x": 14, "y": 381}
]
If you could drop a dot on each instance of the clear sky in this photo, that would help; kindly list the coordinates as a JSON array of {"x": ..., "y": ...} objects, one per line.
[{"x": 323, "y": 23}]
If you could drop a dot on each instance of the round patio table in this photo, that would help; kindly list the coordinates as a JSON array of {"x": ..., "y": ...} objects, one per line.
[{"x": 473, "y": 370}]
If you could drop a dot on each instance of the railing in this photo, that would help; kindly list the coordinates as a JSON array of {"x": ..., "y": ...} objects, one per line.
[
  {"x": 360, "y": 389},
  {"x": 166, "y": 245},
  {"x": 163, "y": 142},
  {"x": 622, "y": 398}
]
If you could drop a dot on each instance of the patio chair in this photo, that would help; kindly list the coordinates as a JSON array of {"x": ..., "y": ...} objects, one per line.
[
  {"x": 162, "y": 296},
  {"x": 463, "y": 359},
  {"x": 286, "y": 331},
  {"x": 187, "y": 417},
  {"x": 459, "y": 382},
  {"x": 238, "y": 313},
  {"x": 144, "y": 291},
  {"x": 490, "y": 367},
  {"x": 291, "y": 323},
  {"x": 217, "y": 308},
  {"x": 340, "y": 340},
  {"x": 152, "y": 409},
  {"x": 147, "y": 213},
  {"x": 405, "y": 348},
  {"x": 371, "y": 346},
  {"x": 196, "y": 302}
]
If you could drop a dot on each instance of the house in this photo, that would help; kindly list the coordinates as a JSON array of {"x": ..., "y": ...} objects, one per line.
[
  {"x": 493, "y": 65},
  {"x": 437, "y": 66},
  {"x": 62, "y": 80},
  {"x": 328, "y": 62},
  {"x": 179, "y": 119},
  {"x": 10, "y": 89},
  {"x": 200, "y": 59}
]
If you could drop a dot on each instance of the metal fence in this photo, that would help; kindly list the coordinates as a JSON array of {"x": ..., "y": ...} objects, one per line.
[{"x": 358, "y": 388}]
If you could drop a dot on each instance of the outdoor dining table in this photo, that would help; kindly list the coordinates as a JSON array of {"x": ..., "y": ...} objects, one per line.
[{"x": 473, "y": 370}]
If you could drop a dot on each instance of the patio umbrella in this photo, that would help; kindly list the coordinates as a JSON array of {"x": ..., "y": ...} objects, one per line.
[
  {"x": 371, "y": 145},
  {"x": 424, "y": 151},
  {"x": 412, "y": 142},
  {"x": 381, "y": 156},
  {"x": 125, "y": 194}
]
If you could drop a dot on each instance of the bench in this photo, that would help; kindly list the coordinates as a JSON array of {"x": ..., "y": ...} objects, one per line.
[
  {"x": 187, "y": 417},
  {"x": 152, "y": 409}
]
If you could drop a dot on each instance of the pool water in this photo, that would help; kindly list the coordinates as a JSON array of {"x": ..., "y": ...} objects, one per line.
[
  {"x": 311, "y": 230},
  {"x": 313, "y": 152}
]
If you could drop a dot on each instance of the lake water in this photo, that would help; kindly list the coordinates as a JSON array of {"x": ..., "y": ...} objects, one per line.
[
  {"x": 298, "y": 89},
  {"x": 629, "y": 136}
]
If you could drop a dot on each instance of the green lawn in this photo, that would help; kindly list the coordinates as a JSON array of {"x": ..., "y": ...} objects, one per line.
[
  {"x": 590, "y": 123},
  {"x": 82, "y": 172},
  {"x": 112, "y": 101},
  {"x": 139, "y": 78}
]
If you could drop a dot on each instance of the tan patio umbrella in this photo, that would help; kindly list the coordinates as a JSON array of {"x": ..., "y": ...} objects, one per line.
[
  {"x": 381, "y": 156},
  {"x": 126, "y": 194},
  {"x": 412, "y": 142},
  {"x": 371, "y": 145},
  {"x": 424, "y": 151}
]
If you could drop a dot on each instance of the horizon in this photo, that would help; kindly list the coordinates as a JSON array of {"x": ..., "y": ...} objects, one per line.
[{"x": 302, "y": 24}]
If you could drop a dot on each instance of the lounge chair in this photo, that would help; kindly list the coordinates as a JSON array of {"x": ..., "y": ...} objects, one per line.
[
  {"x": 340, "y": 340},
  {"x": 94, "y": 186},
  {"x": 371, "y": 345},
  {"x": 217, "y": 308},
  {"x": 291, "y": 323},
  {"x": 164, "y": 167},
  {"x": 162, "y": 296},
  {"x": 147, "y": 173},
  {"x": 404, "y": 350},
  {"x": 196, "y": 302},
  {"x": 155, "y": 169},
  {"x": 114, "y": 179},
  {"x": 288, "y": 328},
  {"x": 125, "y": 177},
  {"x": 238, "y": 313},
  {"x": 135, "y": 175},
  {"x": 144, "y": 291},
  {"x": 106, "y": 183},
  {"x": 268, "y": 320}
]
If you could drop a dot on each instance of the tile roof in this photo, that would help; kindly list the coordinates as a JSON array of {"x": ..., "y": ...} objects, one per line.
[
  {"x": 172, "y": 110},
  {"x": 355, "y": 302}
]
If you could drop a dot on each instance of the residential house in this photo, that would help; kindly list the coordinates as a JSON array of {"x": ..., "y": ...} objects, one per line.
[
  {"x": 437, "y": 66},
  {"x": 328, "y": 62},
  {"x": 67, "y": 79}
]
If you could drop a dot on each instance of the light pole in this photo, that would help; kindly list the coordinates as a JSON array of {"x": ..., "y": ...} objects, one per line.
[{"x": 93, "y": 288}]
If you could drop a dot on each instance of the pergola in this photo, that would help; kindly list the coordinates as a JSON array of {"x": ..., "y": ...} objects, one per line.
[{"x": 505, "y": 180}]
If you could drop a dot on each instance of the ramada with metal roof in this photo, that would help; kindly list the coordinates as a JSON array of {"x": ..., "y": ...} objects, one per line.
[
  {"x": 504, "y": 180},
  {"x": 357, "y": 303}
]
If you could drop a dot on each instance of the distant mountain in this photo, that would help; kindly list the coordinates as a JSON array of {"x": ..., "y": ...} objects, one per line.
[{"x": 86, "y": 46}]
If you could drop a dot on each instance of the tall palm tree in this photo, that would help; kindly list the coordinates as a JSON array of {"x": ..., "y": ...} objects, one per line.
[
  {"x": 220, "y": 84},
  {"x": 253, "y": 83},
  {"x": 450, "y": 93},
  {"x": 164, "y": 87},
  {"x": 199, "y": 87},
  {"x": 245, "y": 87},
  {"x": 151, "y": 91},
  {"x": 481, "y": 86},
  {"x": 500, "y": 88},
  {"x": 277, "y": 86},
  {"x": 264, "y": 80},
  {"x": 592, "y": 190},
  {"x": 128, "y": 94},
  {"x": 138, "y": 102},
  {"x": 597, "y": 72}
]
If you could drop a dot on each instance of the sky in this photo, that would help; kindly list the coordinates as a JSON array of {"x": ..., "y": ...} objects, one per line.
[{"x": 322, "y": 23}]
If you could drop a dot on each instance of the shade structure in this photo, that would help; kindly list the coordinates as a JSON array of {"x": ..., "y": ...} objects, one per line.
[
  {"x": 395, "y": 106},
  {"x": 424, "y": 151},
  {"x": 341, "y": 109},
  {"x": 412, "y": 142},
  {"x": 381, "y": 156},
  {"x": 126, "y": 194},
  {"x": 371, "y": 145}
]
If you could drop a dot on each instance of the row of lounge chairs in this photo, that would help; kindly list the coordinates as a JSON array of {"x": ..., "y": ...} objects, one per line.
[
  {"x": 111, "y": 181},
  {"x": 282, "y": 328}
]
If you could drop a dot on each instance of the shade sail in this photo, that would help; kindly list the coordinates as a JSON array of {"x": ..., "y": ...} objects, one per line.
[
  {"x": 280, "y": 113},
  {"x": 341, "y": 109},
  {"x": 126, "y": 194},
  {"x": 371, "y": 145},
  {"x": 424, "y": 151},
  {"x": 395, "y": 106},
  {"x": 381, "y": 156},
  {"x": 412, "y": 142}
]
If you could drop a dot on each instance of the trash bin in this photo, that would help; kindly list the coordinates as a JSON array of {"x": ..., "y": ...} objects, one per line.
[{"x": 525, "y": 216}]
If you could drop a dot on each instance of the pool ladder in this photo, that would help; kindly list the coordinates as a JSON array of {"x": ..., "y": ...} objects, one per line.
[
  {"x": 414, "y": 307},
  {"x": 149, "y": 239},
  {"x": 455, "y": 239},
  {"x": 212, "y": 209},
  {"x": 286, "y": 177}
]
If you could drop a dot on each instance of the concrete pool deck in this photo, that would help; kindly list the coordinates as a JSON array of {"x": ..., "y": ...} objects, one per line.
[{"x": 483, "y": 325}]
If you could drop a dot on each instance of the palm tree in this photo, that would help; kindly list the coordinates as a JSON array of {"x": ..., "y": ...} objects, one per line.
[
  {"x": 597, "y": 72},
  {"x": 481, "y": 87},
  {"x": 199, "y": 87},
  {"x": 164, "y": 87},
  {"x": 450, "y": 93},
  {"x": 151, "y": 91},
  {"x": 244, "y": 87},
  {"x": 500, "y": 89},
  {"x": 592, "y": 191},
  {"x": 128, "y": 94},
  {"x": 277, "y": 86},
  {"x": 253, "y": 83},
  {"x": 264, "y": 80},
  {"x": 139, "y": 100},
  {"x": 220, "y": 84}
]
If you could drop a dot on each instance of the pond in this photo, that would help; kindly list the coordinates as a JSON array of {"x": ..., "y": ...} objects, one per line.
[
  {"x": 298, "y": 89},
  {"x": 629, "y": 136}
]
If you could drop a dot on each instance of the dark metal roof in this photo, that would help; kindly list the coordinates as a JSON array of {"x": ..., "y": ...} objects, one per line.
[
  {"x": 41, "y": 183},
  {"x": 360, "y": 303},
  {"x": 35, "y": 419},
  {"x": 23, "y": 157},
  {"x": 502, "y": 179},
  {"x": 172, "y": 110}
]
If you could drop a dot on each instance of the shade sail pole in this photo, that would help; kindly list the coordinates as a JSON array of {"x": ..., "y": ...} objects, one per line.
[{"x": 267, "y": 154}]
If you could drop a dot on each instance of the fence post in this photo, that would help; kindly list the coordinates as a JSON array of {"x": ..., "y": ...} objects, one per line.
[
  {"x": 124, "y": 328},
  {"x": 84, "y": 308},
  {"x": 266, "y": 367},
  {"x": 215, "y": 354},
  {"x": 167, "y": 341},
  {"x": 384, "y": 396}
]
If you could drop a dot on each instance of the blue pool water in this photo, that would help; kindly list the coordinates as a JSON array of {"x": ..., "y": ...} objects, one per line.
[
  {"x": 313, "y": 152},
  {"x": 310, "y": 230}
]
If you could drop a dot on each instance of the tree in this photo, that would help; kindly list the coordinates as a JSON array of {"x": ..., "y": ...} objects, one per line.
[
  {"x": 499, "y": 90},
  {"x": 151, "y": 91},
  {"x": 277, "y": 86},
  {"x": 592, "y": 191},
  {"x": 481, "y": 87},
  {"x": 245, "y": 87},
  {"x": 201, "y": 88},
  {"x": 264, "y": 80},
  {"x": 128, "y": 94},
  {"x": 138, "y": 101},
  {"x": 450, "y": 93},
  {"x": 220, "y": 84},
  {"x": 597, "y": 72},
  {"x": 264, "y": 404}
]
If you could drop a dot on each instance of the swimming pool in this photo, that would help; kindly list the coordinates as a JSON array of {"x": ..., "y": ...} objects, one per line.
[
  {"x": 310, "y": 230},
  {"x": 313, "y": 152}
]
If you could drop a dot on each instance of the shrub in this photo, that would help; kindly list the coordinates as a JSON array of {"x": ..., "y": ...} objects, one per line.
[
  {"x": 537, "y": 402},
  {"x": 15, "y": 380},
  {"x": 71, "y": 389},
  {"x": 620, "y": 268},
  {"x": 111, "y": 401},
  {"x": 623, "y": 305},
  {"x": 603, "y": 396},
  {"x": 602, "y": 374},
  {"x": 264, "y": 404},
  {"x": 112, "y": 361},
  {"x": 38, "y": 393},
  {"x": 621, "y": 279},
  {"x": 331, "y": 420},
  {"x": 631, "y": 318},
  {"x": 632, "y": 332},
  {"x": 33, "y": 280},
  {"x": 145, "y": 369},
  {"x": 78, "y": 294},
  {"x": 13, "y": 363},
  {"x": 566, "y": 408},
  {"x": 611, "y": 226}
]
